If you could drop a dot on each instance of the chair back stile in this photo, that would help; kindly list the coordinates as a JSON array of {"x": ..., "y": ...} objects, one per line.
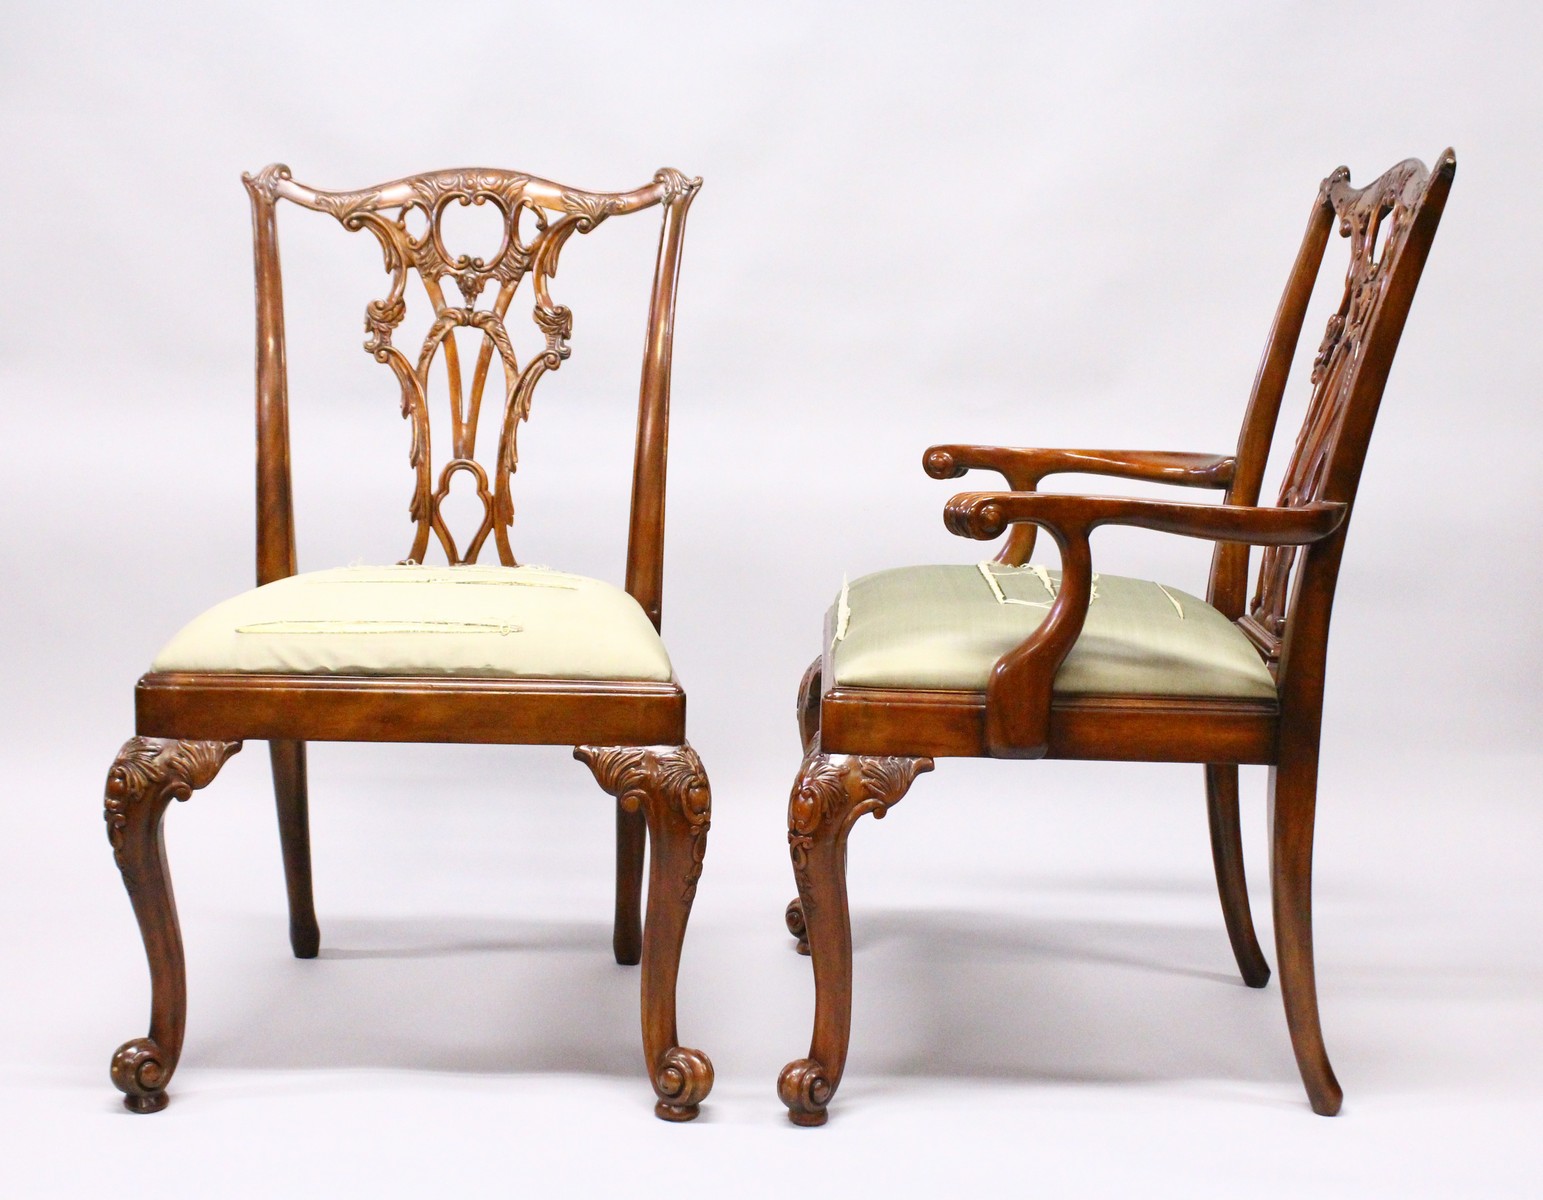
[
  {"x": 275, "y": 503},
  {"x": 1229, "y": 567},
  {"x": 538, "y": 218},
  {"x": 645, "y": 538}
]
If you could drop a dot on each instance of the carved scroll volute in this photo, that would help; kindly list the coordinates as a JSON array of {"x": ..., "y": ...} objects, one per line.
[
  {"x": 1376, "y": 219},
  {"x": 556, "y": 214}
]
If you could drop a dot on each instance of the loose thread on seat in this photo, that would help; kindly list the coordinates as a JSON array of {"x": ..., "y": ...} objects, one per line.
[{"x": 285, "y": 628}]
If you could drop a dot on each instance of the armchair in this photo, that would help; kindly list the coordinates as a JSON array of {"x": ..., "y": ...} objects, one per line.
[{"x": 1005, "y": 659}]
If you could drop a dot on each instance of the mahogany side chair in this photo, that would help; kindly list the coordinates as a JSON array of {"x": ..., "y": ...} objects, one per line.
[
  {"x": 456, "y": 653},
  {"x": 1009, "y": 660}
]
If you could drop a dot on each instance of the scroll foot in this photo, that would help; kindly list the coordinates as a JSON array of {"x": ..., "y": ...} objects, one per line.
[{"x": 794, "y": 917}]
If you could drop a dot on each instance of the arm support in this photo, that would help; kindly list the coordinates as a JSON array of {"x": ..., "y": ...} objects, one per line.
[
  {"x": 1023, "y": 469},
  {"x": 1018, "y": 694}
]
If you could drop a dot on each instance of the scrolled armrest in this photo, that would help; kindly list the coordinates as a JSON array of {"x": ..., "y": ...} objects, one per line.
[
  {"x": 1024, "y": 467},
  {"x": 984, "y": 515}
]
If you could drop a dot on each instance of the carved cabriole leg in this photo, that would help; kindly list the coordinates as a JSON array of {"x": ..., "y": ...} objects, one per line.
[
  {"x": 668, "y": 785},
  {"x": 290, "y": 795},
  {"x": 1221, "y": 795},
  {"x": 1293, "y": 800},
  {"x": 828, "y": 798},
  {"x": 631, "y": 841},
  {"x": 148, "y": 775}
]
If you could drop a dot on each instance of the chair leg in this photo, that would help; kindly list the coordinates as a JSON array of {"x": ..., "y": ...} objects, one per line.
[
  {"x": 668, "y": 785},
  {"x": 292, "y": 799},
  {"x": 148, "y": 774},
  {"x": 1221, "y": 796},
  {"x": 808, "y": 732},
  {"x": 828, "y": 798},
  {"x": 1293, "y": 799},
  {"x": 631, "y": 840}
]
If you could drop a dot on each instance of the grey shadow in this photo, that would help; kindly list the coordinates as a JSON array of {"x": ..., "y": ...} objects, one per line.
[
  {"x": 1031, "y": 999},
  {"x": 459, "y": 994}
]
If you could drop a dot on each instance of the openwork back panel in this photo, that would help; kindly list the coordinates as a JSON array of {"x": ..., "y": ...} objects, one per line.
[
  {"x": 1377, "y": 220},
  {"x": 538, "y": 219}
]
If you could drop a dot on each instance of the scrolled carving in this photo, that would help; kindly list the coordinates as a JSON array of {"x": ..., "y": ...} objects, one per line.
[
  {"x": 266, "y": 182},
  {"x": 974, "y": 515},
  {"x": 683, "y": 1079},
  {"x": 556, "y": 214},
  {"x": 676, "y": 183},
  {"x": 829, "y": 797},
  {"x": 139, "y": 1072},
  {"x": 804, "y": 1086},
  {"x": 941, "y": 464},
  {"x": 149, "y": 771},
  {"x": 650, "y": 777}
]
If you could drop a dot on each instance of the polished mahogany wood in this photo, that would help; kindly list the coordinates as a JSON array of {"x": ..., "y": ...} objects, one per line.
[
  {"x": 1390, "y": 224},
  {"x": 345, "y": 708},
  {"x": 148, "y": 774},
  {"x": 668, "y": 785},
  {"x": 631, "y": 734}
]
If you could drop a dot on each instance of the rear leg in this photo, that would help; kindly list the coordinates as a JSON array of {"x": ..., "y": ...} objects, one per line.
[
  {"x": 1221, "y": 796},
  {"x": 292, "y": 798}
]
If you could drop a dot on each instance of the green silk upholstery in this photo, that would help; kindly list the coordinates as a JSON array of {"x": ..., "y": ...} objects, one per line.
[{"x": 942, "y": 628}]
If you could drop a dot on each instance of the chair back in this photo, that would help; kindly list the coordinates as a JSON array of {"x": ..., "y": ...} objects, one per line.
[
  {"x": 406, "y": 217},
  {"x": 1390, "y": 224}
]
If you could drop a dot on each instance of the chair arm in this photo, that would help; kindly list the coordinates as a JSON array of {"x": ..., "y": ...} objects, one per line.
[
  {"x": 1023, "y": 467},
  {"x": 984, "y": 515},
  {"x": 1019, "y": 691}
]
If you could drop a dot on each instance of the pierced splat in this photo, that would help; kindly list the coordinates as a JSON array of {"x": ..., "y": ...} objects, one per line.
[
  {"x": 1377, "y": 220},
  {"x": 406, "y": 218}
]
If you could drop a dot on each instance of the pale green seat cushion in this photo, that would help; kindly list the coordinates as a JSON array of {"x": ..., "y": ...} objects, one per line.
[
  {"x": 942, "y": 628},
  {"x": 497, "y": 622}
]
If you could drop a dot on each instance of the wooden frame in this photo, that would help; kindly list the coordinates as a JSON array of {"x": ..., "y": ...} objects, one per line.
[
  {"x": 891, "y": 735},
  {"x": 632, "y": 735}
]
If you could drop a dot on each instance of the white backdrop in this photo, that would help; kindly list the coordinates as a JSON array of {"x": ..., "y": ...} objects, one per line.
[{"x": 1023, "y": 224}]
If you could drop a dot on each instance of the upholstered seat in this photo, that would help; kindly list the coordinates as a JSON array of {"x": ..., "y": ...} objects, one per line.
[
  {"x": 498, "y": 622},
  {"x": 944, "y": 627}
]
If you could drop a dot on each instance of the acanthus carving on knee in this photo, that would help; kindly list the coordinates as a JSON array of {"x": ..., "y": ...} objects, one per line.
[
  {"x": 149, "y": 773},
  {"x": 668, "y": 783},
  {"x": 830, "y": 795}
]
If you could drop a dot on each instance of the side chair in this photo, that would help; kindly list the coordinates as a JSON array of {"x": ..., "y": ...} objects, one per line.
[
  {"x": 417, "y": 653},
  {"x": 1004, "y": 659}
]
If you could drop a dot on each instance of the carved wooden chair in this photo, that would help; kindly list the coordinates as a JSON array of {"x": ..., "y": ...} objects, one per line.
[
  {"x": 1008, "y": 660},
  {"x": 414, "y": 653}
]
